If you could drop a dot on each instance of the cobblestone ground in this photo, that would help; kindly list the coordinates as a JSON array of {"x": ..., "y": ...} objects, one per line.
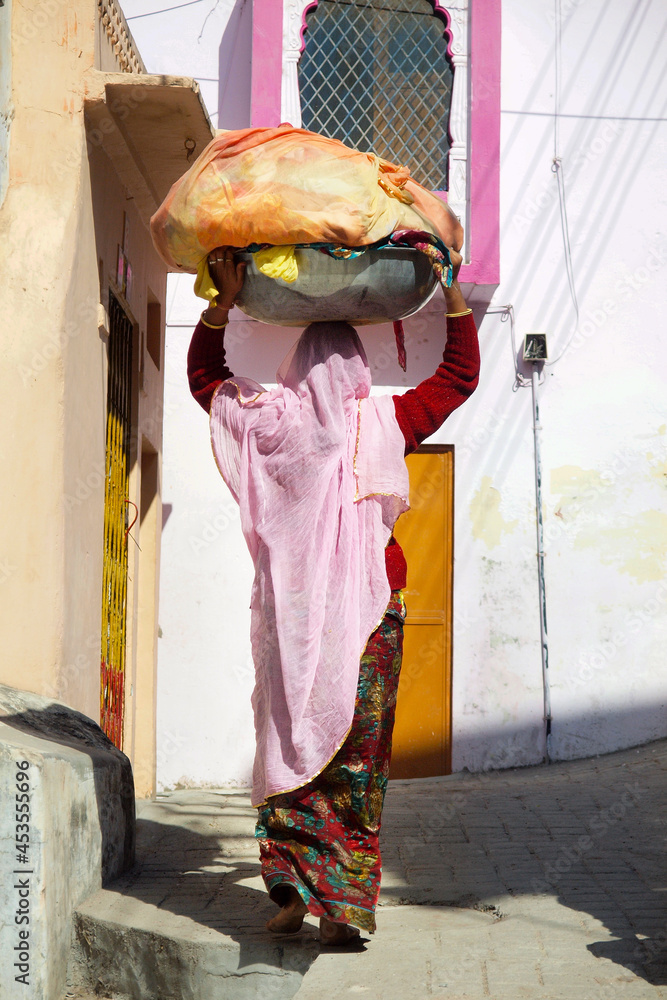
[
  {"x": 545, "y": 882},
  {"x": 563, "y": 866}
]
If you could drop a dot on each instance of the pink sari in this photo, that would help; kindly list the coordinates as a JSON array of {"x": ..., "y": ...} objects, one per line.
[{"x": 317, "y": 467}]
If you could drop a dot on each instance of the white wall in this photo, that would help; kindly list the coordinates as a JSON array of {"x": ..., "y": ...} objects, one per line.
[
  {"x": 602, "y": 412},
  {"x": 602, "y": 404},
  {"x": 208, "y": 41}
]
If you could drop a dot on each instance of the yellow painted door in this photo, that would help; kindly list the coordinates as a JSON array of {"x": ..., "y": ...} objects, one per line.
[{"x": 422, "y": 733}]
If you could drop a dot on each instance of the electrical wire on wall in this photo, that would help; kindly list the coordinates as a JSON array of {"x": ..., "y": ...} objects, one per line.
[
  {"x": 557, "y": 168},
  {"x": 163, "y": 10},
  {"x": 506, "y": 313}
]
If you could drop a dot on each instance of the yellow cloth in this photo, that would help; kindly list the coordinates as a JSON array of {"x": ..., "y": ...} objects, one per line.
[
  {"x": 204, "y": 286},
  {"x": 278, "y": 262},
  {"x": 274, "y": 262}
]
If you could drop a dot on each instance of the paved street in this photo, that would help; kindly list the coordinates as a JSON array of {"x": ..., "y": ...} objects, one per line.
[{"x": 544, "y": 882}]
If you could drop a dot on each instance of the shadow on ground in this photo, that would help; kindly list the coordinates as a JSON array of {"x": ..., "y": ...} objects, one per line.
[
  {"x": 207, "y": 877},
  {"x": 592, "y": 834}
]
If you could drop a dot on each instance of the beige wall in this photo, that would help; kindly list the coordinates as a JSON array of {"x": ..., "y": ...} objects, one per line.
[
  {"x": 49, "y": 296},
  {"x": 60, "y": 227}
]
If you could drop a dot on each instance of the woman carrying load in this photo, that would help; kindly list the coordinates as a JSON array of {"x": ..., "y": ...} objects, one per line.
[{"x": 317, "y": 467}]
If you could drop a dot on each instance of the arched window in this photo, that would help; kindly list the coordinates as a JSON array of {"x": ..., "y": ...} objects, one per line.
[{"x": 376, "y": 74}]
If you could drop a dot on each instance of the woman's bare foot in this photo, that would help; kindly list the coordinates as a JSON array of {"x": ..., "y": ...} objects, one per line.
[
  {"x": 332, "y": 933},
  {"x": 290, "y": 917}
]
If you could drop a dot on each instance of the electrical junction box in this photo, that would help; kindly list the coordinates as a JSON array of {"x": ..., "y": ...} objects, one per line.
[{"x": 535, "y": 347}]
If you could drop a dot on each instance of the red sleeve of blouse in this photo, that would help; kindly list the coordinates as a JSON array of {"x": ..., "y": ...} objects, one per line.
[
  {"x": 207, "y": 366},
  {"x": 422, "y": 410}
]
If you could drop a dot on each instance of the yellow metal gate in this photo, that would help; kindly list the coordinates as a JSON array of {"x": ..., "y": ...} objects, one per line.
[{"x": 116, "y": 513}]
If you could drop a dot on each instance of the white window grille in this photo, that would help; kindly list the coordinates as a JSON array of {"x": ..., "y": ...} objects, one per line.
[{"x": 375, "y": 74}]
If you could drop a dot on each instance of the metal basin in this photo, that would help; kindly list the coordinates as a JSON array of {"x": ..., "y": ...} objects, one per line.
[{"x": 377, "y": 287}]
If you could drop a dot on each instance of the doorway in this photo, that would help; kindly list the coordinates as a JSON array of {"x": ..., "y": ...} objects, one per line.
[{"x": 422, "y": 732}]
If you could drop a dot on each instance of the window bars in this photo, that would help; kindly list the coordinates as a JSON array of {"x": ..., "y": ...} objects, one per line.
[
  {"x": 375, "y": 74},
  {"x": 116, "y": 505}
]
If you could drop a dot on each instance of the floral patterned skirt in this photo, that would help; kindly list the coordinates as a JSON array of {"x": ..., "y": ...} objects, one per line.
[{"x": 323, "y": 838}]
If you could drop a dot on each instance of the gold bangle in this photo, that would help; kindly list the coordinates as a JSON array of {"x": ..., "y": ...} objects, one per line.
[
  {"x": 212, "y": 326},
  {"x": 466, "y": 312}
]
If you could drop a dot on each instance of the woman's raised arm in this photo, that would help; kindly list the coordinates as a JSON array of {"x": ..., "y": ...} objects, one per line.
[
  {"x": 207, "y": 366},
  {"x": 422, "y": 410}
]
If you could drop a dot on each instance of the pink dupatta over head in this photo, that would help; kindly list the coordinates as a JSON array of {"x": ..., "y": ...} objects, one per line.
[{"x": 318, "y": 470}]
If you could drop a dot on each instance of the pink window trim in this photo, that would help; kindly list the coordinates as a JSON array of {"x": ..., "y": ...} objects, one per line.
[
  {"x": 267, "y": 62},
  {"x": 307, "y": 10},
  {"x": 484, "y": 156}
]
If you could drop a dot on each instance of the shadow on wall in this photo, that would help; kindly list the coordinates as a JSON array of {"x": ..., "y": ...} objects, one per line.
[
  {"x": 235, "y": 66},
  {"x": 573, "y": 737},
  {"x": 599, "y": 730}
]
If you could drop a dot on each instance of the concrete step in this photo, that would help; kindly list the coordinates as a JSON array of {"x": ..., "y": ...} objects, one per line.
[
  {"x": 127, "y": 948},
  {"x": 188, "y": 923},
  {"x": 72, "y": 829}
]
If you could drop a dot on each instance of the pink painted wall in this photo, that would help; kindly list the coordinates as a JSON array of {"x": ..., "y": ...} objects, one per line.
[
  {"x": 267, "y": 60},
  {"x": 485, "y": 26}
]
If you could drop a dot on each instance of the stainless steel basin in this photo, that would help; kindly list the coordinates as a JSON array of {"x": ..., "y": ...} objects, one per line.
[{"x": 377, "y": 287}]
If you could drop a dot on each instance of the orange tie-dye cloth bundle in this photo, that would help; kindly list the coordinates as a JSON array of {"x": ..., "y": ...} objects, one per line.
[{"x": 288, "y": 186}]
